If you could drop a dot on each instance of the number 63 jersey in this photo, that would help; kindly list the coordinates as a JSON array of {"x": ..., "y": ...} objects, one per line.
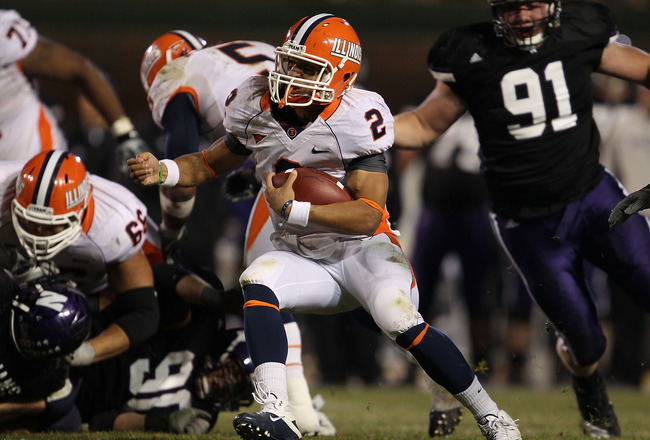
[
  {"x": 116, "y": 232},
  {"x": 532, "y": 109}
]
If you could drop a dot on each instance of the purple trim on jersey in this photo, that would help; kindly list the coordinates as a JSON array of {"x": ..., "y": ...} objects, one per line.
[
  {"x": 548, "y": 252},
  {"x": 303, "y": 30}
]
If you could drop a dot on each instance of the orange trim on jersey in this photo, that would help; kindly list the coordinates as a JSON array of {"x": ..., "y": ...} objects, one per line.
[
  {"x": 265, "y": 102},
  {"x": 330, "y": 109},
  {"x": 256, "y": 303},
  {"x": 88, "y": 216},
  {"x": 153, "y": 253},
  {"x": 45, "y": 130},
  {"x": 384, "y": 228},
  {"x": 260, "y": 216},
  {"x": 188, "y": 90},
  {"x": 419, "y": 338},
  {"x": 205, "y": 160}
]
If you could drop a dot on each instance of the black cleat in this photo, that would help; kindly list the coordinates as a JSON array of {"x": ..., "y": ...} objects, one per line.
[
  {"x": 598, "y": 416},
  {"x": 265, "y": 425},
  {"x": 443, "y": 423}
]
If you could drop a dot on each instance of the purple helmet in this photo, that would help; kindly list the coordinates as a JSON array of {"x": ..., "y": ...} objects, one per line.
[
  {"x": 49, "y": 319},
  {"x": 227, "y": 384}
]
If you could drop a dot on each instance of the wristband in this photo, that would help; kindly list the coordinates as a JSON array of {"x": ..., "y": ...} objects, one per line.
[
  {"x": 299, "y": 214},
  {"x": 284, "y": 208},
  {"x": 173, "y": 173},
  {"x": 121, "y": 126}
]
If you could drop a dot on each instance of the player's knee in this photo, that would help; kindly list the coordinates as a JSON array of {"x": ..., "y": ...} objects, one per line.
[
  {"x": 589, "y": 349},
  {"x": 410, "y": 337},
  {"x": 394, "y": 312},
  {"x": 259, "y": 294}
]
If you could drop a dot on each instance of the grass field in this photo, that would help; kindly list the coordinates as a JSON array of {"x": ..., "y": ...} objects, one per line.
[{"x": 401, "y": 414}]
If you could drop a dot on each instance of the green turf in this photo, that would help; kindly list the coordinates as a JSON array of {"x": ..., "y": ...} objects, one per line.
[{"x": 402, "y": 414}]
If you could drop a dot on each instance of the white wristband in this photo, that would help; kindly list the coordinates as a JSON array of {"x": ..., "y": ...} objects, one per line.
[
  {"x": 299, "y": 214},
  {"x": 121, "y": 126},
  {"x": 173, "y": 173}
]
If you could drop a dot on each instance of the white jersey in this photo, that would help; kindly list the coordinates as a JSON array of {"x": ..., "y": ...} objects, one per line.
[
  {"x": 27, "y": 127},
  {"x": 209, "y": 75},
  {"x": 359, "y": 125},
  {"x": 116, "y": 232}
]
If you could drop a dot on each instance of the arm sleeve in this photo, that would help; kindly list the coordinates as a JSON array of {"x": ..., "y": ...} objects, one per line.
[
  {"x": 139, "y": 314},
  {"x": 372, "y": 162},
  {"x": 181, "y": 124}
]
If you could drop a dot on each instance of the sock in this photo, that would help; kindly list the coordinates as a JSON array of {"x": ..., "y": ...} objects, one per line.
[
  {"x": 477, "y": 400},
  {"x": 272, "y": 377},
  {"x": 294, "y": 353}
]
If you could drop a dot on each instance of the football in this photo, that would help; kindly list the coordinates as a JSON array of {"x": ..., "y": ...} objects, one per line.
[{"x": 314, "y": 186}]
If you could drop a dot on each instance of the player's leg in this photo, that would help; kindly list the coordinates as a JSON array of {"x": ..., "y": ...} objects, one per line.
[
  {"x": 547, "y": 256},
  {"x": 388, "y": 291},
  {"x": 176, "y": 204},
  {"x": 277, "y": 281}
]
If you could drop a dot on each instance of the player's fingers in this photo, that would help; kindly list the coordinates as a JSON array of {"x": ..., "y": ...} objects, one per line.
[
  {"x": 293, "y": 175},
  {"x": 269, "y": 180}
]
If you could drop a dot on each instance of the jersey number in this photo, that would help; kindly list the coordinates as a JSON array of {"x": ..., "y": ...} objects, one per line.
[
  {"x": 136, "y": 230},
  {"x": 14, "y": 31},
  {"x": 533, "y": 103},
  {"x": 377, "y": 127},
  {"x": 163, "y": 387}
]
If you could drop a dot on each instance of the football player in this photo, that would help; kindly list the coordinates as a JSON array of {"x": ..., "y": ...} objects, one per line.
[
  {"x": 187, "y": 85},
  {"x": 93, "y": 231},
  {"x": 42, "y": 322},
  {"x": 328, "y": 258},
  {"x": 179, "y": 379},
  {"x": 526, "y": 80},
  {"x": 27, "y": 125}
]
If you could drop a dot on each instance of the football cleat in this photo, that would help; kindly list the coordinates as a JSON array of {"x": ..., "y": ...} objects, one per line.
[
  {"x": 443, "y": 423},
  {"x": 499, "y": 427},
  {"x": 598, "y": 416},
  {"x": 275, "y": 419}
]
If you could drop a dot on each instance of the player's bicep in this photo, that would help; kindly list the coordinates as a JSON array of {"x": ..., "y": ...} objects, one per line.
[{"x": 371, "y": 185}]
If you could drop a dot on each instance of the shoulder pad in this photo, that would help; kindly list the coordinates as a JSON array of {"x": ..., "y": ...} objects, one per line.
[{"x": 586, "y": 20}]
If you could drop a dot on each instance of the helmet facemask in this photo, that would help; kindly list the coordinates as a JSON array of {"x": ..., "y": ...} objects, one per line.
[
  {"x": 283, "y": 86},
  {"x": 53, "y": 192},
  {"x": 226, "y": 384},
  {"x": 527, "y": 35}
]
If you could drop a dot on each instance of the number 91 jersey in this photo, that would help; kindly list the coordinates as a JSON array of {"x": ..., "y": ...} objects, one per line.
[
  {"x": 532, "y": 109},
  {"x": 209, "y": 75}
]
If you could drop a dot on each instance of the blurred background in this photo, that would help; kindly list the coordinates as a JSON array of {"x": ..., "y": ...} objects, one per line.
[{"x": 395, "y": 37}]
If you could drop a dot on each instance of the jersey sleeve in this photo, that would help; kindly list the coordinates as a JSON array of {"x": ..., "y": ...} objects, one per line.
[
  {"x": 588, "y": 22},
  {"x": 169, "y": 81},
  {"x": 242, "y": 105},
  {"x": 17, "y": 37}
]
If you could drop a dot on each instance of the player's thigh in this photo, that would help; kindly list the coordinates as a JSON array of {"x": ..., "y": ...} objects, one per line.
[
  {"x": 300, "y": 284},
  {"x": 379, "y": 275}
]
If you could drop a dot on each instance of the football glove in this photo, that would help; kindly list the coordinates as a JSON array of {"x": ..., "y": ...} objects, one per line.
[
  {"x": 129, "y": 142},
  {"x": 82, "y": 356},
  {"x": 241, "y": 185},
  {"x": 190, "y": 421},
  {"x": 635, "y": 202}
]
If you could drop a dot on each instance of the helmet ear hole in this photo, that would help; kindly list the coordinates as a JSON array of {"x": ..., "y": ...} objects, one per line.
[{"x": 346, "y": 77}]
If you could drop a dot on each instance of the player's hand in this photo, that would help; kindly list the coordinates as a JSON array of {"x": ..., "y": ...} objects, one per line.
[
  {"x": 276, "y": 197},
  {"x": 129, "y": 145},
  {"x": 84, "y": 355},
  {"x": 144, "y": 169},
  {"x": 190, "y": 421},
  {"x": 635, "y": 202}
]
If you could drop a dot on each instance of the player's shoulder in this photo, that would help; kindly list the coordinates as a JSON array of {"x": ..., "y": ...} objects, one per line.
[
  {"x": 17, "y": 37},
  {"x": 248, "y": 99},
  {"x": 115, "y": 205},
  {"x": 362, "y": 100},
  {"x": 586, "y": 19},
  {"x": 457, "y": 46}
]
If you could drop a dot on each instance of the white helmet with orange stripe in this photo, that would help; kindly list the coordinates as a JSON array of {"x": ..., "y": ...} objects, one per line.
[
  {"x": 167, "y": 47},
  {"x": 52, "y": 196}
]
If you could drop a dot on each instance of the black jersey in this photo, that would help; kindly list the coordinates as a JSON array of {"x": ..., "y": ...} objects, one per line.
[
  {"x": 532, "y": 109},
  {"x": 157, "y": 376}
]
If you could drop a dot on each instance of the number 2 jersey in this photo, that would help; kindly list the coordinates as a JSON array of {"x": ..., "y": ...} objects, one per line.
[
  {"x": 356, "y": 126},
  {"x": 532, "y": 109}
]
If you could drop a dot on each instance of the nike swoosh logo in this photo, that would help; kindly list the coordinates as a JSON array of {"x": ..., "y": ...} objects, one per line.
[
  {"x": 316, "y": 150},
  {"x": 275, "y": 418}
]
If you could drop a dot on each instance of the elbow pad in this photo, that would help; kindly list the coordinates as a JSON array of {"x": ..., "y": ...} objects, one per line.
[{"x": 139, "y": 314}]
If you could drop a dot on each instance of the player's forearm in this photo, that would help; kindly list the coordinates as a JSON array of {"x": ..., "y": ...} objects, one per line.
[
  {"x": 13, "y": 410},
  {"x": 411, "y": 132},
  {"x": 354, "y": 218}
]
